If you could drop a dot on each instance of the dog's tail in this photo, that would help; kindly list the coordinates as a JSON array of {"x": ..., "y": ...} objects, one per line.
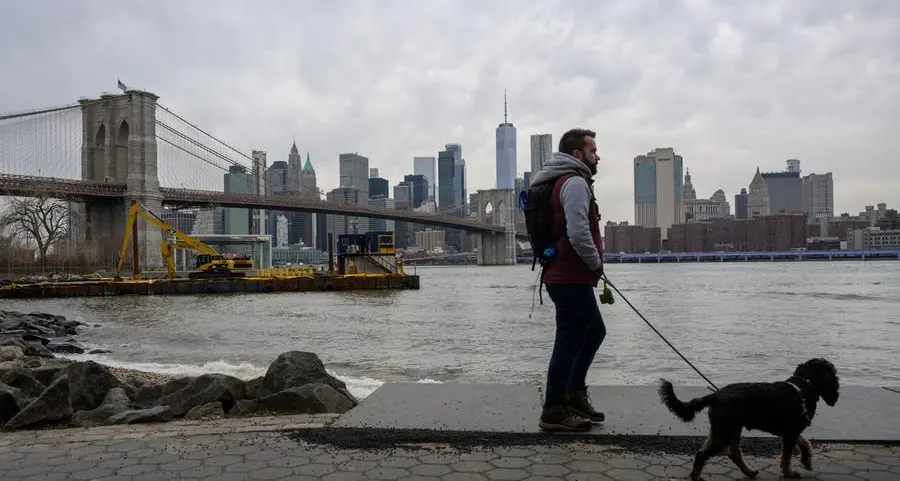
[{"x": 684, "y": 410}]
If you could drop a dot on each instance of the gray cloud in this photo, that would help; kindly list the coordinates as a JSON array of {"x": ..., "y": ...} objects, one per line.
[{"x": 730, "y": 85}]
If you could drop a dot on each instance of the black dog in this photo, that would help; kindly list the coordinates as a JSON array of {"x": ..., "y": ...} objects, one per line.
[{"x": 783, "y": 408}]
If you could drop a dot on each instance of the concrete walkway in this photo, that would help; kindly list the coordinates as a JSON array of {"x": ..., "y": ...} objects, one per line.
[{"x": 258, "y": 448}]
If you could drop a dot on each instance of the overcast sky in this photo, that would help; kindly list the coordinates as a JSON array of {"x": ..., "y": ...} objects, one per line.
[{"x": 730, "y": 85}]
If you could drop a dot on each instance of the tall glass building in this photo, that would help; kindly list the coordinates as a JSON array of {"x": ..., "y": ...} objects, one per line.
[{"x": 658, "y": 189}]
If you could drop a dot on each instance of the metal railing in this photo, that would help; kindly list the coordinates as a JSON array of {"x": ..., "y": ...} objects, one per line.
[
  {"x": 188, "y": 197},
  {"x": 287, "y": 272},
  {"x": 27, "y": 185}
]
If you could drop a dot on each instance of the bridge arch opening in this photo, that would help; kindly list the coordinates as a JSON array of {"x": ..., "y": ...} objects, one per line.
[
  {"x": 502, "y": 215},
  {"x": 100, "y": 136},
  {"x": 96, "y": 155},
  {"x": 119, "y": 165}
]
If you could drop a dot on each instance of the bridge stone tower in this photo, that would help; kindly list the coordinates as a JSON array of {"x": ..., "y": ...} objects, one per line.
[
  {"x": 497, "y": 206},
  {"x": 119, "y": 147}
]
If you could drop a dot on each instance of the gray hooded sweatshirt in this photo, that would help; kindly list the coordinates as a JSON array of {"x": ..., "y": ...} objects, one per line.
[{"x": 575, "y": 196}]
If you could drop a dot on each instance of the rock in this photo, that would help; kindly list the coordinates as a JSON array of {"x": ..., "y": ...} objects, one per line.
[
  {"x": 176, "y": 385},
  {"x": 9, "y": 339},
  {"x": 48, "y": 372},
  {"x": 207, "y": 411},
  {"x": 51, "y": 406},
  {"x": 205, "y": 389},
  {"x": 32, "y": 362},
  {"x": 35, "y": 338},
  {"x": 90, "y": 382},
  {"x": 308, "y": 399},
  {"x": 99, "y": 351},
  {"x": 349, "y": 395},
  {"x": 38, "y": 324},
  {"x": 147, "y": 395},
  {"x": 35, "y": 348},
  {"x": 10, "y": 402},
  {"x": 24, "y": 381},
  {"x": 8, "y": 366},
  {"x": 243, "y": 406},
  {"x": 11, "y": 353},
  {"x": 295, "y": 369},
  {"x": 114, "y": 403},
  {"x": 65, "y": 348},
  {"x": 154, "y": 414},
  {"x": 253, "y": 386}
]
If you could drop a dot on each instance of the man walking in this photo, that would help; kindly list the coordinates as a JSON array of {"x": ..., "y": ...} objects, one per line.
[{"x": 570, "y": 277}]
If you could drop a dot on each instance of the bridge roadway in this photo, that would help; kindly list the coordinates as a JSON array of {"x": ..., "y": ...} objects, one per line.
[{"x": 69, "y": 189}]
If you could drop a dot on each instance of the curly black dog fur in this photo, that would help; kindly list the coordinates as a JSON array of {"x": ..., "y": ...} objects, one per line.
[{"x": 783, "y": 408}]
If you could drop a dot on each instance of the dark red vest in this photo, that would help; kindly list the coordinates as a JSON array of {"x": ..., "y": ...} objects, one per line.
[{"x": 568, "y": 268}]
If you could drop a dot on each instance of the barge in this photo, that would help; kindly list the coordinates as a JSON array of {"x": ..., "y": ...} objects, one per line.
[
  {"x": 363, "y": 262},
  {"x": 247, "y": 284}
]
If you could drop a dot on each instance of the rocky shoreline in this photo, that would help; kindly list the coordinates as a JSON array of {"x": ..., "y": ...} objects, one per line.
[{"x": 38, "y": 389}]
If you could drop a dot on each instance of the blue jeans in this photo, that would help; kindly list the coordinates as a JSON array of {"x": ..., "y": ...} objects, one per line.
[{"x": 579, "y": 333}]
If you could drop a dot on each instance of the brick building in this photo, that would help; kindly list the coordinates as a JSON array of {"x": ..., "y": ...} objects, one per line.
[
  {"x": 631, "y": 239},
  {"x": 780, "y": 232}
]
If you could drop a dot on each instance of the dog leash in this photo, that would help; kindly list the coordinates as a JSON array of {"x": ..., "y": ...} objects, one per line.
[{"x": 636, "y": 311}]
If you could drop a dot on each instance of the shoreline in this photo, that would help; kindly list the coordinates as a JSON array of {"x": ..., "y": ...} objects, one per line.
[{"x": 40, "y": 386}]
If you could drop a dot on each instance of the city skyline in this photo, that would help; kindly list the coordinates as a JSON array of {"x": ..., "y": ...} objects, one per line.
[{"x": 746, "y": 85}]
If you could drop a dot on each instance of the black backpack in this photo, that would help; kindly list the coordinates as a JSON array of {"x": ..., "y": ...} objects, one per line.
[{"x": 538, "y": 209}]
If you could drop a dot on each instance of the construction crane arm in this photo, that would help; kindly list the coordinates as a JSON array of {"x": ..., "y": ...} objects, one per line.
[{"x": 185, "y": 241}]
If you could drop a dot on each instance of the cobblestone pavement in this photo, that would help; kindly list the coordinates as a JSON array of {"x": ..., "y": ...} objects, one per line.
[{"x": 253, "y": 449}]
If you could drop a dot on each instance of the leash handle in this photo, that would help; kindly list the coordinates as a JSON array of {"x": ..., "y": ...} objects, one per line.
[{"x": 636, "y": 311}]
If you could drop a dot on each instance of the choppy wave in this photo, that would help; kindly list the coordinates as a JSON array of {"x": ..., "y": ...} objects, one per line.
[
  {"x": 360, "y": 387},
  {"x": 830, "y": 296}
]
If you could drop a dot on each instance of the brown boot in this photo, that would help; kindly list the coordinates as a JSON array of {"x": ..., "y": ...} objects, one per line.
[
  {"x": 559, "y": 418},
  {"x": 579, "y": 403}
]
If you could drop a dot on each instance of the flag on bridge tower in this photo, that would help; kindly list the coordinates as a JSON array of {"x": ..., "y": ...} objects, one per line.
[{"x": 122, "y": 86}]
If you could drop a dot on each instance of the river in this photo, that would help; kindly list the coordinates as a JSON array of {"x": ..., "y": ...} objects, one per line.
[{"x": 734, "y": 321}]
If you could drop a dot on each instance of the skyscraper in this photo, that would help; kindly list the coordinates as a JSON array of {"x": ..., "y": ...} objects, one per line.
[
  {"x": 506, "y": 151},
  {"x": 741, "y": 205},
  {"x": 446, "y": 174},
  {"x": 259, "y": 219},
  {"x": 758, "y": 197},
  {"x": 419, "y": 188},
  {"x": 425, "y": 166},
  {"x": 378, "y": 187},
  {"x": 541, "y": 151},
  {"x": 459, "y": 185},
  {"x": 817, "y": 196},
  {"x": 658, "y": 189},
  {"x": 295, "y": 163},
  {"x": 308, "y": 186},
  {"x": 314, "y": 231},
  {"x": 354, "y": 174},
  {"x": 237, "y": 181},
  {"x": 451, "y": 187}
]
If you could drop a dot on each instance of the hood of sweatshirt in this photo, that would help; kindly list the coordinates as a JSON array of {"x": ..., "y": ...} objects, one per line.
[{"x": 559, "y": 165}]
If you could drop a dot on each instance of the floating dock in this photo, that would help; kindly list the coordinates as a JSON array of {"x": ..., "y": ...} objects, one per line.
[
  {"x": 109, "y": 287},
  {"x": 781, "y": 256}
]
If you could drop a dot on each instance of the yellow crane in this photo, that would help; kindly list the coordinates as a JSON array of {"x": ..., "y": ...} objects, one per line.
[{"x": 210, "y": 263}]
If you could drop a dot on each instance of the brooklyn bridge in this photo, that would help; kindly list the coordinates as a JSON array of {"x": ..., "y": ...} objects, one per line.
[{"x": 102, "y": 153}]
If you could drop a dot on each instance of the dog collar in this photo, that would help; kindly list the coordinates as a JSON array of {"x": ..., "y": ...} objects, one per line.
[{"x": 802, "y": 401}]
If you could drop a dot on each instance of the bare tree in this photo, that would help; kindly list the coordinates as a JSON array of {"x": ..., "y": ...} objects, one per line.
[{"x": 40, "y": 221}]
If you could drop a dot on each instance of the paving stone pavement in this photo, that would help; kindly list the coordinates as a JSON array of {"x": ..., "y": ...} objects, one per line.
[{"x": 255, "y": 449}]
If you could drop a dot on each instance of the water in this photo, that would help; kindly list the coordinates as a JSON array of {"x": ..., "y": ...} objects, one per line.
[{"x": 735, "y": 321}]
